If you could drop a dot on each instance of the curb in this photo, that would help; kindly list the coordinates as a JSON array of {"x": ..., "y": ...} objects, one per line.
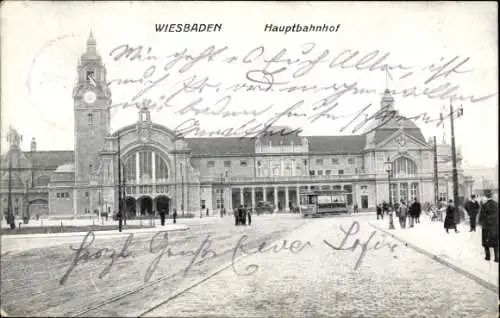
[
  {"x": 443, "y": 261},
  {"x": 96, "y": 233}
]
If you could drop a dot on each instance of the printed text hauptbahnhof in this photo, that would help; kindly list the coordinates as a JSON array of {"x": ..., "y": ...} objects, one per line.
[{"x": 296, "y": 27}]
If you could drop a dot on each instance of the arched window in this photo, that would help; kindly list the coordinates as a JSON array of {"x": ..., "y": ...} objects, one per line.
[
  {"x": 161, "y": 170},
  {"x": 404, "y": 167},
  {"x": 146, "y": 167}
]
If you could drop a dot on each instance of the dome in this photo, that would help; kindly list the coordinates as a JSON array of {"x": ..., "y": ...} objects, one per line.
[{"x": 65, "y": 168}]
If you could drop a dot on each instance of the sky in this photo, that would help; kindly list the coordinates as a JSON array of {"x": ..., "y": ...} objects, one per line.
[{"x": 438, "y": 46}]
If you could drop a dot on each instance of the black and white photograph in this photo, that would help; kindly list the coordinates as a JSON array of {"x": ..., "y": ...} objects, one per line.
[{"x": 249, "y": 159}]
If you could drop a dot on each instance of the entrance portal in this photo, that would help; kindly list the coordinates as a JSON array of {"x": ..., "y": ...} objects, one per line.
[
  {"x": 130, "y": 207},
  {"x": 146, "y": 204},
  {"x": 162, "y": 204}
]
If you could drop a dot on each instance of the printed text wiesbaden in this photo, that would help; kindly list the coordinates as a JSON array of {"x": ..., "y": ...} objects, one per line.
[
  {"x": 301, "y": 28},
  {"x": 189, "y": 27}
]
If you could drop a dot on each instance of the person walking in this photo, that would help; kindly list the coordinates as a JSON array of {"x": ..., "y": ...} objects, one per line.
[
  {"x": 403, "y": 214},
  {"x": 416, "y": 210},
  {"x": 379, "y": 212},
  {"x": 162, "y": 217},
  {"x": 385, "y": 208},
  {"x": 472, "y": 208},
  {"x": 235, "y": 212},
  {"x": 411, "y": 214},
  {"x": 449, "y": 220},
  {"x": 249, "y": 216},
  {"x": 488, "y": 219},
  {"x": 355, "y": 208},
  {"x": 175, "y": 215}
]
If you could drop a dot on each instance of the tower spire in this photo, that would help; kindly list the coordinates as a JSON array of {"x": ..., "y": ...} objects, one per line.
[{"x": 91, "y": 44}]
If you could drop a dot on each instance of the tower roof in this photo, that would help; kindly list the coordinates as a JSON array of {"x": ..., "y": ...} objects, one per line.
[{"x": 91, "y": 53}]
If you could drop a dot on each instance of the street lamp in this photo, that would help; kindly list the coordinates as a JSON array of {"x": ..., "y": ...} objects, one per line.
[
  {"x": 446, "y": 182},
  {"x": 388, "y": 168}
]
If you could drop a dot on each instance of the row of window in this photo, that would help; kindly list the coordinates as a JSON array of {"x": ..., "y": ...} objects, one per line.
[
  {"x": 244, "y": 163},
  {"x": 227, "y": 163},
  {"x": 325, "y": 172},
  {"x": 66, "y": 195},
  {"x": 334, "y": 161},
  {"x": 405, "y": 193}
]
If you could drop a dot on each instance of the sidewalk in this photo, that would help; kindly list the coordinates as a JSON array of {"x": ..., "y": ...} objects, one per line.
[
  {"x": 461, "y": 251},
  {"x": 16, "y": 243}
]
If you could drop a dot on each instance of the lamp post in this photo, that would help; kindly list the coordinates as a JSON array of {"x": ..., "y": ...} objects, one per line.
[
  {"x": 120, "y": 214},
  {"x": 182, "y": 191},
  {"x": 446, "y": 183},
  {"x": 388, "y": 168}
]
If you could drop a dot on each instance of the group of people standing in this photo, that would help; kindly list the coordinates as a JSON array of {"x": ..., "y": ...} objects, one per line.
[
  {"x": 243, "y": 216},
  {"x": 403, "y": 210}
]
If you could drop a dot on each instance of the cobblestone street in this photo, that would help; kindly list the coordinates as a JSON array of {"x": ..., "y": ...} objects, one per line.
[
  {"x": 320, "y": 281},
  {"x": 300, "y": 274}
]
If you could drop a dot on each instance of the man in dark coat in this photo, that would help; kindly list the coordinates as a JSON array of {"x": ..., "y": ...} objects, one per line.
[
  {"x": 379, "y": 212},
  {"x": 175, "y": 216},
  {"x": 236, "y": 216},
  {"x": 385, "y": 208},
  {"x": 472, "y": 208},
  {"x": 488, "y": 218},
  {"x": 249, "y": 216},
  {"x": 449, "y": 220},
  {"x": 162, "y": 217},
  {"x": 416, "y": 210}
]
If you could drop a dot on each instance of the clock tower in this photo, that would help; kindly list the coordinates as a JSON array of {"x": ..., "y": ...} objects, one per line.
[{"x": 92, "y": 99}]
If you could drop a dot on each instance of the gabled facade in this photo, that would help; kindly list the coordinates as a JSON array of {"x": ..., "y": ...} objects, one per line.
[{"x": 161, "y": 171}]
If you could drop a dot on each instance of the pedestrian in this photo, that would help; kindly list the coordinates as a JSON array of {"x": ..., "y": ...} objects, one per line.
[
  {"x": 249, "y": 216},
  {"x": 162, "y": 217},
  {"x": 207, "y": 212},
  {"x": 416, "y": 210},
  {"x": 175, "y": 215},
  {"x": 222, "y": 213},
  {"x": 488, "y": 219},
  {"x": 449, "y": 220},
  {"x": 235, "y": 212},
  {"x": 379, "y": 212},
  {"x": 243, "y": 215},
  {"x": 472, "y": 208},
  {"x": 355, "y": 207},
  {"x": 403, "y": 214},
  {"x": 385, "y": 208}
]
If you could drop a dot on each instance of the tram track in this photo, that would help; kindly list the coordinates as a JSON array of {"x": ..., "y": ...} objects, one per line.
[{"x": 120, "y": 297}]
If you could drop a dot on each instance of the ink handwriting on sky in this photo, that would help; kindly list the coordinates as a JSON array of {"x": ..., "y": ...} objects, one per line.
[{"x": 176, "y": 82}]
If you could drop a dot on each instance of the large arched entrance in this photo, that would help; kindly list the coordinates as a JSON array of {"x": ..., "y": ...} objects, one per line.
[
  {"x": 162, "y": 204},
  {"x": 130, "y": 207},
  {"x": 146, "y": 205}
]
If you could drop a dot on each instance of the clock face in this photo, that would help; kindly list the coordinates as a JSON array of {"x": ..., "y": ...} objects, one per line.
[{"x": 89, "y": 97}]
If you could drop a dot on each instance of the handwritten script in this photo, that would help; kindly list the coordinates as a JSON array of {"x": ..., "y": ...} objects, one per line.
[
  {"x": 161, "y": 249},
  {"x": 185, "y": 84}
]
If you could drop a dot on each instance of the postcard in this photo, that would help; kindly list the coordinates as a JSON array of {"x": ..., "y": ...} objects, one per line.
[{"x": 249, "y": 159}]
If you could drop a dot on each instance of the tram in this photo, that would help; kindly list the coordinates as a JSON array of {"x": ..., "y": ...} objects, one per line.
[{"x": 318, "y": 203}]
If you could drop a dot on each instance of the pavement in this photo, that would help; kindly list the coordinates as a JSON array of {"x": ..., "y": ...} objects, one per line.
[
  {"x": 461, "y": 251},
  {"x": 280, "y": 266}
]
